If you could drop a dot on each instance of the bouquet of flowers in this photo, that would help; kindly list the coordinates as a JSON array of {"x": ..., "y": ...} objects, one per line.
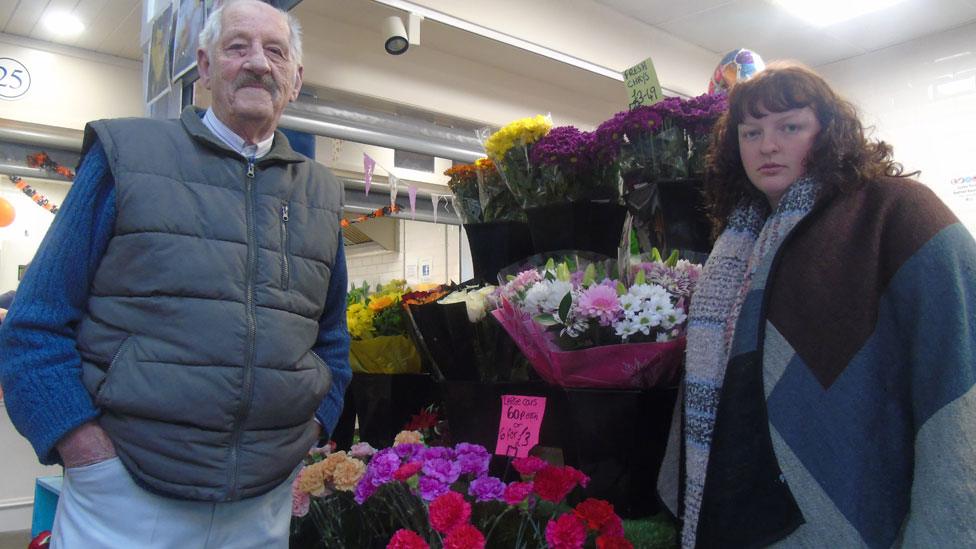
[
  {"x": 597, "y": 325},
  {"x": 510, "y": 148},
  {"x": 575, "y": 165},
  {"x": 462, "y": 340},
  {"x": 464, "y": 187},
  {"x": 415, "y": 496},
  {"x": 378, "y": 328},
  {"x": 497, "y": 201}
]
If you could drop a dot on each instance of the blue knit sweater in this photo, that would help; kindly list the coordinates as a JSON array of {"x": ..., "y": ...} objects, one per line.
[{"x": 40, "y": 368}]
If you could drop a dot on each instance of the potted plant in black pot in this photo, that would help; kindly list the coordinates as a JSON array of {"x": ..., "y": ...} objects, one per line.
[{"x": 493, "y": 221}]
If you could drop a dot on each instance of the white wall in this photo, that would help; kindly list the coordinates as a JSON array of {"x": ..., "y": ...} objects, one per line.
[
  {"x": 20, "y": 240},
  {"x": 435, "y": 244},
  {"x": 20, "y": 468},
  {"x": 897, "y": 90},
  {"x": 70, "y": 87}
]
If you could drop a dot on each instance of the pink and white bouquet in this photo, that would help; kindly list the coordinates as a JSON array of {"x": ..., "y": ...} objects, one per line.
[{"x": 597, "y": 325}]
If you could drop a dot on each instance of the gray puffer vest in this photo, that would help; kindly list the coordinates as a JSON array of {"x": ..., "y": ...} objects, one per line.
[{"x": 196, "y": 345}]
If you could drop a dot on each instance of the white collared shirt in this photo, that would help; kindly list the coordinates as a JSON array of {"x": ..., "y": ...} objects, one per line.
[{"x": 233, "y": 140}]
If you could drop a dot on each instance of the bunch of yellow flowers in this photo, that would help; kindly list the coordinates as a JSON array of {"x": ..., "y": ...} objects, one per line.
[
  {"x": 359, "y": 318},
  {"x": 523, "y": 131}
]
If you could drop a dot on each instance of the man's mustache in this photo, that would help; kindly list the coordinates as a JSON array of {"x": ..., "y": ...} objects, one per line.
[{"x": 248, "y": 79}]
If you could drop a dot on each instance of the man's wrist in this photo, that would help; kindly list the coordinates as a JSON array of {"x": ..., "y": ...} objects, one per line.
[{"x": 84, "y": 445}]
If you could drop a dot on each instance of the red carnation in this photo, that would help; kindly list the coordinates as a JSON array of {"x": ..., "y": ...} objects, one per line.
[
  {"x": 464, "y": 536},
  {"x": 566, "y": 532},
  {"x": 529, "y": 465},
  {"x": 594, "y": 512},
  {"x": 613, "y": 527},
  {"x": 407, "y": 470},
  {"x": 613, "y": 542},
  {"x": 449, "y": 511},
  {"x": 554, "y": 483},
  {"x": 407, "y": 539}
]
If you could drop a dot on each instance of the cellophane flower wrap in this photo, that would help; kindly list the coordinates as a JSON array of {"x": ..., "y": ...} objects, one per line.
[
  {"x": 510, "y": 149},
  {"x": 590, "y": 324},
  {"x": 378, "y": 327},
  {"x": 697, "y": 117},
  {"x": 574, "y": 165},
  {"x": 497, "y": 201},
  {"x": 464, "y": 188},
  {"x": 463, "y": 341},
  {"x": 414, "y": 495}
]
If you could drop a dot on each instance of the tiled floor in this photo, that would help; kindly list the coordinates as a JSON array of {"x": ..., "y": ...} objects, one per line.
[{"x": 14, "y": 540}]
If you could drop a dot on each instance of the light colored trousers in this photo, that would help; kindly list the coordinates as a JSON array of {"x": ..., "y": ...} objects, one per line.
[{"x": 101, "y": 507}]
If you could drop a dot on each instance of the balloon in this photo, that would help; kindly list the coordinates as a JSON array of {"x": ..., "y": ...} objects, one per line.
[
  {"x": 736, "y": 66},
  {"x": 7, "y": 213}
]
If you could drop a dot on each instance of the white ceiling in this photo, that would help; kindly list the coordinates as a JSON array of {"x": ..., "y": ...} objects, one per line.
[
  {"x": 764, "y": 27},
  {"x": 112, "y": 26}
]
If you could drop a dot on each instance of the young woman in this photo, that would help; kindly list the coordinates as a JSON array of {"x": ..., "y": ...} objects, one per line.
[{"x": 831, "y": 363}]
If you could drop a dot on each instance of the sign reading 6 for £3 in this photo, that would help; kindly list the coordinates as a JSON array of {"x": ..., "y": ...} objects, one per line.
[{"x": 14, "y": 78}]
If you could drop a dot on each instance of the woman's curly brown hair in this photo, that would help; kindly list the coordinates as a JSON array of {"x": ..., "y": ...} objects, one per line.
[{"x": 841, "y": 157}]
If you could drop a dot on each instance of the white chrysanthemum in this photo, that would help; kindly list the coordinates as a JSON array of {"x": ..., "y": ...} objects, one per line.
[
  {"x": 648, "y": 320},
  {"x": 662, "y": 337},
  {"x": 672, "y": 319},
  {"x": 544, "y": 297},
  {"x": 631, "y": 304},
  {"x": 625, "y": 327}
]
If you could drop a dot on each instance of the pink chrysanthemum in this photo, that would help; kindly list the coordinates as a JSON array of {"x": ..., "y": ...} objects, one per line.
[{"x": 600, "y": 302}]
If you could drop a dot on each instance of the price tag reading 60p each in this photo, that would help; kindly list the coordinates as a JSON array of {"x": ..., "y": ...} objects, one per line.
[{"x": 518, "y": 428}]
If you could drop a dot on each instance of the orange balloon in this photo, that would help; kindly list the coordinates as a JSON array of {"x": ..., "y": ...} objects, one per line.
[{"x": 7, "y": 213}]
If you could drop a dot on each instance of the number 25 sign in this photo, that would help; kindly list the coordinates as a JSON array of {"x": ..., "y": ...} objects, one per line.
[
  {"x": 14, "y": 78},
  {"x": 518, "y": 428}
]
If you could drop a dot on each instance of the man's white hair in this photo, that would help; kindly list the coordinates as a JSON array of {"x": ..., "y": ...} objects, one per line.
[{"x": 210, "y": 34}]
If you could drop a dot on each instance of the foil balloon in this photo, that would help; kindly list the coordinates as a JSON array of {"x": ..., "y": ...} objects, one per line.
[
  {"x": 7, "y": 213},
  {"x": 736, "y": 66}
]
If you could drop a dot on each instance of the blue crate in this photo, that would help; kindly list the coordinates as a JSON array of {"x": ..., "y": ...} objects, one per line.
[{"x": 47, "y": 490}]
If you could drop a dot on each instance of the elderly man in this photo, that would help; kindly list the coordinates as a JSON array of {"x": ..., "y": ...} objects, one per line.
[{"x": 179, "y": 342}]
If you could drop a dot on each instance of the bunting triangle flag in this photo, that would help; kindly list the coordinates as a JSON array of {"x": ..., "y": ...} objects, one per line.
[{"x": 368, "y": 166}]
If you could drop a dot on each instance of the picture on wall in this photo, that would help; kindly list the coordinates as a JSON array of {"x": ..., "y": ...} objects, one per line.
[
  {"x": 189, "y": 23},
  {"x": 160, "y": 56}
]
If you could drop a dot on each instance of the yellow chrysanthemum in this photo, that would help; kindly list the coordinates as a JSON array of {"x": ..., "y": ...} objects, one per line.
[
  {"x": 360, "y": 321},
  {"x": 520, "y": 132}
]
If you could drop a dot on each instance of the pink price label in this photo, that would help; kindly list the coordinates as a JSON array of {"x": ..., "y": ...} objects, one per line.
[{"x": 518, "y": 428}]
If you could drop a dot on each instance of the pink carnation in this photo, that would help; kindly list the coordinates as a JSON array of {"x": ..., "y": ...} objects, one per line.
[
  {"x": 516, "y": 492},
  {"x": 529, "y": 465}
]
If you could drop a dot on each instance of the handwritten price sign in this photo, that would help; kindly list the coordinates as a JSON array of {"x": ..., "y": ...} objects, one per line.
[
  {"x": 518, "y": 429},
  {"x": 643, "y": 87}
]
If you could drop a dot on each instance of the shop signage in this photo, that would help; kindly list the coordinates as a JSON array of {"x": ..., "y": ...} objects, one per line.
[
  {"x": 15, "y": 79},
  {"x": 642, "y": 85},
  {"x": 521, "y": 420}
]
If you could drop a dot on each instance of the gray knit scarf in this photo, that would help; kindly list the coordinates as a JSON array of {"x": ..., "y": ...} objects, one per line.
[{"x": 752, "y": 233}]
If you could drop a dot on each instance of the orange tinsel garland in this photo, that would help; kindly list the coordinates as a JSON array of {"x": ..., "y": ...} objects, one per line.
[{"x": 378, "y": 212}]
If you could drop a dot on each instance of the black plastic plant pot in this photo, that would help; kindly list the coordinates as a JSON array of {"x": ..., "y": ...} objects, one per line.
[
  {"x": 587, "y": 226},
  {"x": 618, "y": 438},
  {"x": 383, "y": 404},
  {"x": 495, "y": 245},
  {"x": 674, "y": 213}
]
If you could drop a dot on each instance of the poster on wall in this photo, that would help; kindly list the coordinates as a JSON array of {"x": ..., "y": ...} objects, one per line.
[
  {"x": 160, "y": 56},
  {"x": 189, "y": 23}
]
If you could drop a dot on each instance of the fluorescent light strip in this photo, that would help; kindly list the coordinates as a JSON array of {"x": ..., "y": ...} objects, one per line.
[{"x": 501, "y": 37}]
